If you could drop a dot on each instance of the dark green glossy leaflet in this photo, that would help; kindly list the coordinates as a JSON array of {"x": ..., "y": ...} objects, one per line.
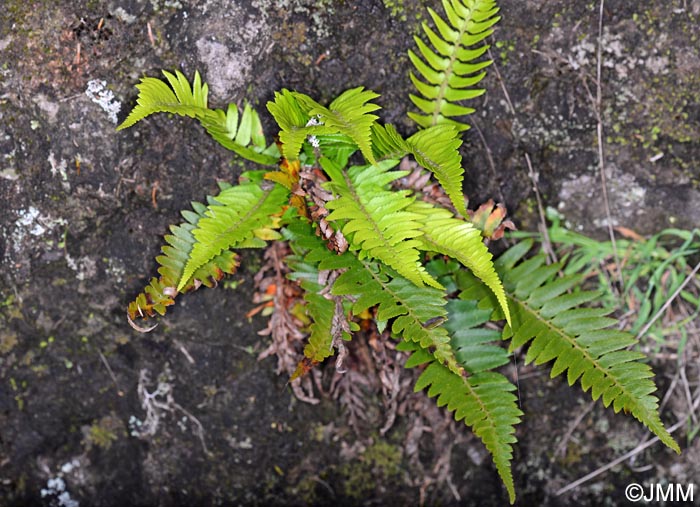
[
  {"x": 409, "y": 308},
  {"x": 548, "y": 318}
]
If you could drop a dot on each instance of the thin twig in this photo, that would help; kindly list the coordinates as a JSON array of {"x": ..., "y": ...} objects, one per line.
[
  {"x": 562, "y": 445},
  {"x": 501, "y": 83},
  {"x": 615, "y": 462},
  {"x": 111, "y": 373},
  {"x": 662, "y": 405},
  {"x": 489, "y": 158},
  {"x": 601, "y": 155},
  {"x": 184, "y": 351},
  {"x": 624, "y": 457},
  {"x": 150, "y": 34},
  {"x": 547, "y": 243},
  {"x": 686, "y": 391}
]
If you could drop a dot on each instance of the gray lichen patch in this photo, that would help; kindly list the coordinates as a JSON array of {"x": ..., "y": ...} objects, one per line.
[
  {"x": 229, "y": 45},
  {"x": 98, "y": 93},
  {"x": 581, "y": 196},
  {"x": 34, "y": 233},
  {"x": 48, "y": 107},
  {"x": 315, "y": 12},
  {"x": 226, "y": 71}
]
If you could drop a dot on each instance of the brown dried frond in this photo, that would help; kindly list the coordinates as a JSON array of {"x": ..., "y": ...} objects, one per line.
[
  {"x": 309, "y": 186},
  {"x": 419, "y": 181},
  {"x": 351, "y": 389},
  {"x": 272, "y": 285}
]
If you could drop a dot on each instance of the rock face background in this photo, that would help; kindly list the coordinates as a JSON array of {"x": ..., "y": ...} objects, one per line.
[{"x": 80, "y": 226}]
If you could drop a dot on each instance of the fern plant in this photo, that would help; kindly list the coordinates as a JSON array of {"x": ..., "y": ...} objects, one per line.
[{"x": 363, "y": 242}]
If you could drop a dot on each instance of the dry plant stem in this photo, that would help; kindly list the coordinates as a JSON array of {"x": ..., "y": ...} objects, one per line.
[
  {"x": 669, "y": 391},
  {"x": 489, "y": 158},
  {"x": 501, "y": 83},
  {"x": 668, "y": 302},
  {"x": 184, "y": 351},
  {"x": 677, "y": 377},
  {"x": 597, "y": 108},
  {"x": 547, "y": 244},
  {"x": 561, "y": 448},
  {"x": 601, "y": 155},
  {"x": 323, "y": 483},
  {"x": 615, "y": 462},
  {"x": 686, "y": 392},
  {"x": 624, "y": 457},
  {"x": 664, "y": 401},
  {"x": 111, "y": 373}
]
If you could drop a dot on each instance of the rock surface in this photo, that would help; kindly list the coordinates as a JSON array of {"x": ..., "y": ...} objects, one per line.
[{"x": 84, "y": 209}]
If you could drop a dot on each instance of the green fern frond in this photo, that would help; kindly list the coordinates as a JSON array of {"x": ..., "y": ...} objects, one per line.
[
  {"x": 161, "y": 292},
  {"x": 448, "y": 65},
  {"x": 292, "y": 121},
  {"x": 444, "y": 233},
  {"x": 485, "y": 402},
  {"x": 240, "y": 215},
  {"x": 424, "y": 312},
  {"x": 319, "y": 345},
  {"x": 546, "y": 316},
  {"x": 417, "y": 311},
  {"x": 155, "y": 298},
  {"x": 348, "y": 114},
  {"x": 337, "y": 147},
  {"x": 246, "y": 139},
  {"x": 155, "y": 96},
  {"x": 437, "y": 149},
  {"x": 387, "y": 143},
  {"x": 412, "y": 308},
  {"x": 474, "y": 345},
  {"x": 299, "y": 116},
  {"x": 376, "y": 221}
]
